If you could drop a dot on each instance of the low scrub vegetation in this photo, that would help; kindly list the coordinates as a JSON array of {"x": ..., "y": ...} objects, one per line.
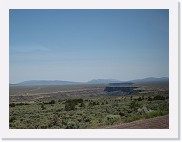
[{"x": 79, "y": 113}]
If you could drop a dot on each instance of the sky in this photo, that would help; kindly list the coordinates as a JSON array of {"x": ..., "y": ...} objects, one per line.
[{"x": 81, "y": 45}]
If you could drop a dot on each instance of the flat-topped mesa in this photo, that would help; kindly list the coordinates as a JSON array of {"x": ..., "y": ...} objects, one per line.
[
  {"x": 121, "y": 89},
  {"x": 125, "y": 84}
]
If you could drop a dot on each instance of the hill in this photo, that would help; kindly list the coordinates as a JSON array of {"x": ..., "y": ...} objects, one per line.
[
  {"x": 150, "y": 79},
  {"x": 46, "y": 82},
  {"x": 103, "y": 81},
  {"x": 94, "y": 81}
]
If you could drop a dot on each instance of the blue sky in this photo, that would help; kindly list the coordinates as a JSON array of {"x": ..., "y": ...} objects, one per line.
[{"x": 80, "y": 45}]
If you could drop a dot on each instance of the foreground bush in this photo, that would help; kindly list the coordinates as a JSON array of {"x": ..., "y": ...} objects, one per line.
[
  {"x": 76, "y": 113},
  {"x": 110, "y": 119},
  {"x": 72, "y": 125},
  {"x": 12, "y": 104}
]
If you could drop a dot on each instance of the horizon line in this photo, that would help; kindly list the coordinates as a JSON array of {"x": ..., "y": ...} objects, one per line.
[{"x": 89, "y": 80}]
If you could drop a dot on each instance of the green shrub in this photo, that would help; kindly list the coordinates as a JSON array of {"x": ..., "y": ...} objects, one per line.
[
  {"x": 156, "y": 113},
  {"x": 12, "y": 119},
  {"x": 143, "y": 97},
  {"x": 12, "y": 104},
  {"x": 149, "y": 98},
  {"x": 134, "y": 105},
  {"x": 110, "y": 119},
  {"x": 52, "y": 102},
  {"x": 43, "y": 107},
  {"x": 133, "y": 117},
  {"x": 72, "y": 125},
  {"x": 55, "y": 127},
  {"x": 43, "y": 126},
  {"x": 167, "y": 97},
  {"x": 159, "y": 97},
  {"x": 21, "y": 104},
  {"x": 139, "y": 99},
  {"x": 70, "y": 106},
  {"x": 143, "y": 110},
  {"x": 121, "y": 114},
  {"x": 82, "y": 105},
  {"x": 131, "y": 97},
  {"x": 93, "y": 103},
  {"x": 87, "y": 119}
]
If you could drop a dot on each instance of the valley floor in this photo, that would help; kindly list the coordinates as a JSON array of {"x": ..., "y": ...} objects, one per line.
[{"x": 89, "y": 106}]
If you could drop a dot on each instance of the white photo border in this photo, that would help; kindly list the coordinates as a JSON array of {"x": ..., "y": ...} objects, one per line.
[{"x": 171, "y": 133}]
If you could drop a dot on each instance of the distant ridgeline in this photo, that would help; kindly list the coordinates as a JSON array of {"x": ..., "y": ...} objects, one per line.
[
  {"x": 121, "y": 88},
  {"x": 121, "y": 84}
]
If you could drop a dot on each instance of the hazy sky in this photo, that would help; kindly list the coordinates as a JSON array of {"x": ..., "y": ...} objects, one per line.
[{"x": 80, "y": 45}]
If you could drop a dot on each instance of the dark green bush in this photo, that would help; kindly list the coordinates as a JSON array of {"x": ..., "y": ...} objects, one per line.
[
  {"x": 131, "y": 97},
  {"x": 70, "y": 104},
  {"x": 12, "y": 104},
  {"x": 143, "y": 97},
  {"x": 134, "y": 105},
  {"x": 52, "y": 102},
  {"x": 159, "y": 97},
  {"x": 121, "y": 114},
  {"x": 133, "y": 117},
  {"x": 149, "y": 98},
  {"x": 55, "y": 120},
  {"x": 12, "y": 119},
  {"x": 167, "y": 97},
  {"x": 72, "y": 125},
  {"x": 21, "y": 104},
  {"x": 110, "y": 119},
  {"x": 87, "y": 119},
  {"x": 139, "y": 99},
  {"x": 82, "y": 105},
  {"x": 43, "y": 107}
]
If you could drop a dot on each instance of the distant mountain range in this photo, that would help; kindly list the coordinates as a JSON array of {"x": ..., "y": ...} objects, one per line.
[
  {"x": 150, "y": 79},
  {"x": 94, "y": 81},
  {"x": 103, "y": 81},
  {"x": 46, "y": 82}
]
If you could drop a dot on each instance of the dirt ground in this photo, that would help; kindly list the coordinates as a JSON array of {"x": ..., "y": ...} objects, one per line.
[{"x": 160, "y": 122}]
